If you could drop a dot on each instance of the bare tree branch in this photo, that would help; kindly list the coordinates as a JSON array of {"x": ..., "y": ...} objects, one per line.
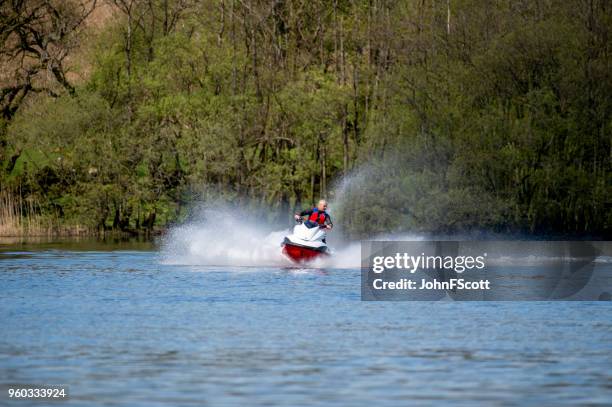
[{"x": 35, "y": 37}]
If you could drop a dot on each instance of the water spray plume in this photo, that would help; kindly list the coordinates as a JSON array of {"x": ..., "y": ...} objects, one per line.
[{"x": 224, "y": 236}]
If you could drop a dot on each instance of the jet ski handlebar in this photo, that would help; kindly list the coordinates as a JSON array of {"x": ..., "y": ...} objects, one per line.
[{"x": 300, "y": 220}]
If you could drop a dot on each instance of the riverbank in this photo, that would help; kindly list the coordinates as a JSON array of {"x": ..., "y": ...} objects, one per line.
[
  {"x": 25, "y": 218},
  {"x": 76, "y": 243},
  {"x": 417, "y": 132}
]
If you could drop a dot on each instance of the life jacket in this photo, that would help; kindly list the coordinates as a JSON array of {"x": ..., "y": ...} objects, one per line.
[{"x": 317, "y": 217}]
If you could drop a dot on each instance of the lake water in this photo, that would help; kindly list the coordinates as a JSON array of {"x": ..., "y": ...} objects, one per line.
[{"x": 124, "y": 327}]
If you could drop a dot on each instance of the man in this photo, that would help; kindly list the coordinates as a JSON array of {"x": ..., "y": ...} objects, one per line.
[{"x": 316, "y": 216}]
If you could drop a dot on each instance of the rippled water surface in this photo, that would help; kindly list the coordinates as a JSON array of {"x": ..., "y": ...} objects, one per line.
[{"x": 120, "y": 327}]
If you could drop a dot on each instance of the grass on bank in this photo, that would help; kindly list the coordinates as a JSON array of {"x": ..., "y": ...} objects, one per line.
[{"x": 21, "y": 217}]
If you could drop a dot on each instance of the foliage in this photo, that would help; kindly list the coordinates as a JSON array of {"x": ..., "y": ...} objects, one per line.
[{"x": 438, "y": 116}]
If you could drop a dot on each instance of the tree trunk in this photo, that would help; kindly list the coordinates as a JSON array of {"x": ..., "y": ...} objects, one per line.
[
  {"x": 345, "y": 141},
  {"x": 323, "y": 167}
]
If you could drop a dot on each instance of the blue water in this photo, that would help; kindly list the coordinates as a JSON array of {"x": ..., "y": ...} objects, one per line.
[{"x": 122, "y": 328}]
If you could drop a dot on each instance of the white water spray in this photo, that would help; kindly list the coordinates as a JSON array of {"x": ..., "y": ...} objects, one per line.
[
  {"x": 224, "y": 237},
  {"x": 230, "y": 237}
]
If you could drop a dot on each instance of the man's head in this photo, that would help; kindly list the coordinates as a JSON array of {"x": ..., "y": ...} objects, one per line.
[{"x": 322, "y": 205}]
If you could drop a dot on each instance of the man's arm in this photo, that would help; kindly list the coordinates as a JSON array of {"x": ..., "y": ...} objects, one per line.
[
  {"x": 300, "y": 215},
  {"x": 306, "y": 212},
  {"x": 328, "y": 221}
]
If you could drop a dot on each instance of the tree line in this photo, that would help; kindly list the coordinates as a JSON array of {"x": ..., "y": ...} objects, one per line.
[{"x": 489, "y": 115}]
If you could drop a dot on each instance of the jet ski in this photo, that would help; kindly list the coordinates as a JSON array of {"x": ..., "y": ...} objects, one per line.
[{"x": 305, "y": 243}]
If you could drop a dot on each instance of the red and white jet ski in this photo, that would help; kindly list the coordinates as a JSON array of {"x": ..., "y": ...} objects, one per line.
[{"x": 305, "y": 243}]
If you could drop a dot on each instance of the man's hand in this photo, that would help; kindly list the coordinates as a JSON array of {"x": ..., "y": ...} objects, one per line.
[{"x": 328, "y": 227}]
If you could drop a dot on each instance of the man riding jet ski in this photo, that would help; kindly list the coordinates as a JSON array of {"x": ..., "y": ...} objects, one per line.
[{"x": 308, "y": 239}]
